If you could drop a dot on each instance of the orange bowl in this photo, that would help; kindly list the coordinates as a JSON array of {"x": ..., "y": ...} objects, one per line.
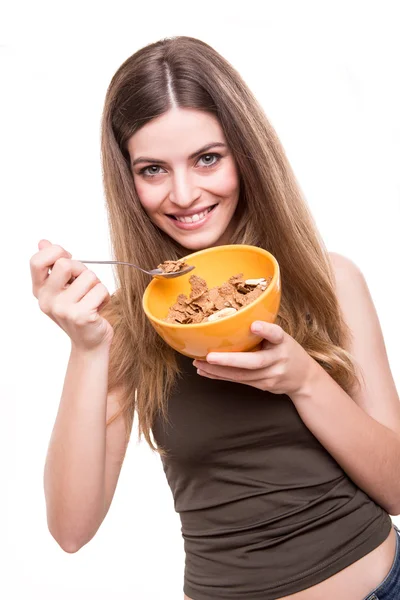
[{"x": 216, "y": 265}]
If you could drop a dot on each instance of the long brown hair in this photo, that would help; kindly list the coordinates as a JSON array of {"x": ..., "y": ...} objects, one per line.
[{"x": 188, "y": 73}]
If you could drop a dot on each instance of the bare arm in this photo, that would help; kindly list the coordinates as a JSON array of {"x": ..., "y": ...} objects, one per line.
[
  {"x": 84, "y": 458},
  {"x": 83, "y": 463},
  {"x": 362, "y": 432}
]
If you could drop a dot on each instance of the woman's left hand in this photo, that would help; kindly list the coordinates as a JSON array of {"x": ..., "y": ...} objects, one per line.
[{"x": 281, "y": 366}]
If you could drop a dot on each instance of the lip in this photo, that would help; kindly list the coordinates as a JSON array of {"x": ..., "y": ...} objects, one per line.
[
  {"x": 195, "y": 224},
  {"x": 190, "y": 213}
]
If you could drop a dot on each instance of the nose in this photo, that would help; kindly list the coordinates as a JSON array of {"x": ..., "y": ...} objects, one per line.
[{"x": 183, "y": 192}]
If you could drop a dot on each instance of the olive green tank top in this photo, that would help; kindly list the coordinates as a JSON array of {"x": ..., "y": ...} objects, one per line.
[{"x": 265, "y": 509}]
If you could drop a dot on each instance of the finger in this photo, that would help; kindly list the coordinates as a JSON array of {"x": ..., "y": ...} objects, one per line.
[
  {"x": 42, "y": 261},
  {"x": 208, "y": 376},
  {"x": 258, "y": 383},
  {"x": 44, "y": 244},
  {"x": 255, "y": 364},
  {"x": 94, "y": 299},
  {"x": 230, "y": 373},
  {"x": 244, "y": 360},
  {"x": 63, "y": 270},
  {"x": 233, "y": 373},
  {"x": 271, "y": 332},
  {"x": 81, "y": 285},
  {"x": 261, "y": 384}
]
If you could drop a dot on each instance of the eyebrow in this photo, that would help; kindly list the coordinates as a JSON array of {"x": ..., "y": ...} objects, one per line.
[{"x": 142, "y": 159}]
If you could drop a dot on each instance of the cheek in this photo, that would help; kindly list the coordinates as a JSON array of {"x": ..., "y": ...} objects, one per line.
[
  {"x": 226, "y": 182},
  {"x": 150, "y": 196}
]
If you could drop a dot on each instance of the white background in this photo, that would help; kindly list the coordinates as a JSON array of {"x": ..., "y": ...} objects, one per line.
[{"x": 326, "y": 74}]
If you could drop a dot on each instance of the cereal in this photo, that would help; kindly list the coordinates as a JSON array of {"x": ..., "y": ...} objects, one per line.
[
  {"x": 204, "y": 305},
  {"x": 255, "y": 281},
  {"x": 172, "y": 266},
  {"x": 225, "y": 312}
]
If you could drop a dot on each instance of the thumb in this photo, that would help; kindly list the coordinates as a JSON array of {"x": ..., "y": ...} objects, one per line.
[
  {"x": 269, "y": 331},
  {"x": 44, "y": 244}
]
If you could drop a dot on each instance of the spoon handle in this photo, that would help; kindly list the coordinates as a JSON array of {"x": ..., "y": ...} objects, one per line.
[{"x": 114, "y": 262}]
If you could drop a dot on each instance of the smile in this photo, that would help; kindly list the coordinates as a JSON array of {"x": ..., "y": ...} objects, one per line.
[
  {"x": 195, "y": 217},
  {"x": 192, "y": 221}
]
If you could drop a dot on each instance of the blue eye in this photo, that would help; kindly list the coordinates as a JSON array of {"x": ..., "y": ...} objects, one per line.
[
  {"x": 214, "y": 155},
  {"x": 149, "y": 171},
  {"x": 143, "y": 171}
]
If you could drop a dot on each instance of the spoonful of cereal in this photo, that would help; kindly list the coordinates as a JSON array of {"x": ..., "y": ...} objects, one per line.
[{"x": 168, "y": 269}]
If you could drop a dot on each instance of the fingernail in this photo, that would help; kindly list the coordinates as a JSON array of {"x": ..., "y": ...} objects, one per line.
[{"x": 211, "y": 358}]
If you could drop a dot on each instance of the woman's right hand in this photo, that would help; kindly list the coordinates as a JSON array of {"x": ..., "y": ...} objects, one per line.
[{"x": 70, "y": 295}]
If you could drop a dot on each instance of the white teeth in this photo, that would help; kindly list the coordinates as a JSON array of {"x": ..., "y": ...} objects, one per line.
[{"x": 194, "y": 218}]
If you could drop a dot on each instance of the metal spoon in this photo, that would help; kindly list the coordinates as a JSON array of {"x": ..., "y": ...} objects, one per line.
[{"x": 154, "y": 272}]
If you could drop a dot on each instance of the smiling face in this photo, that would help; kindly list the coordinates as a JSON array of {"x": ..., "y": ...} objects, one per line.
[{"x": 186, "y": 177}]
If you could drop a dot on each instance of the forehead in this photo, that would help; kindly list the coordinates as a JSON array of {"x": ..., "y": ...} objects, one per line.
[{"x": 179, "y": 131}]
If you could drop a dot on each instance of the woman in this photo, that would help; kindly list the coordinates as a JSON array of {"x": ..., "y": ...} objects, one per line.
[{"x": 282, "y": 462}]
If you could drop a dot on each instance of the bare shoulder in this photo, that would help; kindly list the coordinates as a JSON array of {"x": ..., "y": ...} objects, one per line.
[
  {"x": 343, "y": 267},
  {"x": 377, "y": 394},
  {"x": 351, "y": 290}
]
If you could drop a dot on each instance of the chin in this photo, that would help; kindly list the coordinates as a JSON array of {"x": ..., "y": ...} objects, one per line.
[{"x": 200, "y": 242}]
